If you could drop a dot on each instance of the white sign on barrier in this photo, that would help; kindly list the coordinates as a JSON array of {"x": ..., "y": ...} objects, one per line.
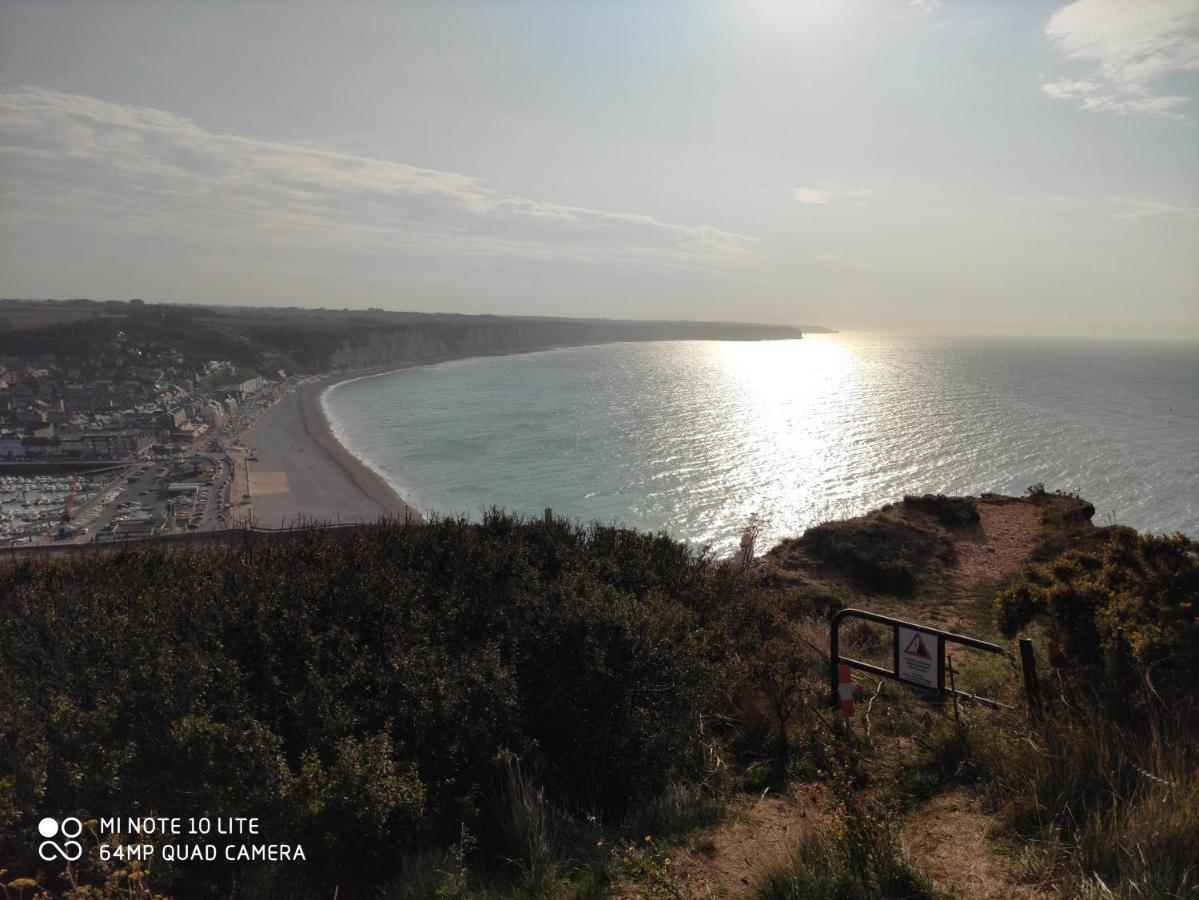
[{"x": 919, "y": 657}]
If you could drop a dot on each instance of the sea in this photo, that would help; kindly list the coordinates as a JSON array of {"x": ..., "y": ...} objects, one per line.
[{"x": 701, "y": 438}]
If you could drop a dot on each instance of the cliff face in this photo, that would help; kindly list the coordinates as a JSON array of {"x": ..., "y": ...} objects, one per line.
[
  {"x": 321, "y": 340},
  {"x": 414, "y": 343}
]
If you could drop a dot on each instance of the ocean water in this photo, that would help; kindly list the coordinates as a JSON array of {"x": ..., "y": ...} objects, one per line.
[{"x": 695, "y": 437}]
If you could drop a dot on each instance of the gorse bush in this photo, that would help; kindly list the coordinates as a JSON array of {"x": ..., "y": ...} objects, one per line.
[
  {"x": 1131, "y": 598},
  {"x": 363, "y": 694},
  {"x": 948, "y": 511},
  {"x": 884, "y": 552}
]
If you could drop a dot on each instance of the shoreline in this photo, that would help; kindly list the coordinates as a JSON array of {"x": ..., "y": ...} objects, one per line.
[
  {"x": 320, "y": 429},
  {"x": 305, "y": 474}
]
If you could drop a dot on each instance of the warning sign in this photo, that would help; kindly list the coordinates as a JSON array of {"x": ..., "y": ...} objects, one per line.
[{"x": 918, "y": 657}]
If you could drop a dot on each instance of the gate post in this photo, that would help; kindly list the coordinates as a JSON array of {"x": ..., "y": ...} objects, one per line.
[
  {"x": 1032, "y": 687},
  {"x": 834, "y": 657}
]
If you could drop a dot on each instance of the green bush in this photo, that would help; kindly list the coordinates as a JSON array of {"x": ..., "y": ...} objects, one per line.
[
  {"x": 948, "y": 511},
  {"x": 359, "y": 692},
  {"x": 1134, "y": 598},
  {"x": 880, "y": 553}
]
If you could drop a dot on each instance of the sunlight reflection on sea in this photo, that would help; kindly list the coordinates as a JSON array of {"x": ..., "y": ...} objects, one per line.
[{"x": 694, "y": 437}]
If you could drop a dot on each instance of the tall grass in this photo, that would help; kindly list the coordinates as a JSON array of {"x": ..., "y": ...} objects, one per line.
[{"x": 1109, "y": 799}]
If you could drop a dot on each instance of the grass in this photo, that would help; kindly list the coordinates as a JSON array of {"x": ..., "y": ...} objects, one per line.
[
  {"x": 861, "y": 861},
  {"x": 1110, "y": 799},
  {"x": 676, "y": 812}
]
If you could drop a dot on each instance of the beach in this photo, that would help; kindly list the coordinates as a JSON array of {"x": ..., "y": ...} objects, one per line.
[{"x": 303, "y": 474}]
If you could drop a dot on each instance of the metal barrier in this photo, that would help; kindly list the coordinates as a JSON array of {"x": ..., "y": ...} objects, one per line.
[{"x": 918, "y": 654}]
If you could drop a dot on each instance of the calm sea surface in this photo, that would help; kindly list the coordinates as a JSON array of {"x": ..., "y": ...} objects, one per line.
[{"x": 694, "y": 437}]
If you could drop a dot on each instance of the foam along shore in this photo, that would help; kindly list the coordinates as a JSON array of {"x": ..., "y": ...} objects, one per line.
[{"x": 304, "y": 475}]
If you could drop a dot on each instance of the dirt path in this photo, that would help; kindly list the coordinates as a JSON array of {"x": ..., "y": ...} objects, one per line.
[
  {"x": 947, "y": 839},
  {"x": 991, "y": 549},
  {"x": 1004, "y": 536},
  {"x": 728, "y": 861}
]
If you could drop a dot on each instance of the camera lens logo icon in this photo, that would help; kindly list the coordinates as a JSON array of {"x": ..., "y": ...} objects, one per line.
[{"x": 69, "y": 828}]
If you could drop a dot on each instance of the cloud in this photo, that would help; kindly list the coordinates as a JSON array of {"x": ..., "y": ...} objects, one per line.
[
  {"x": 1117, "y": 207},
  {"x": 924, "y": 7},
  {"x": 829, "y": 193},
  {"x": 1130, "y": 47},
  {"x": 1151, "y": 209},
  {"x": 68, "y": 157}
]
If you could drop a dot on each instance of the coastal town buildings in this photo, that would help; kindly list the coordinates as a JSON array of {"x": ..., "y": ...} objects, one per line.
[{"x": 115, "y": 402}]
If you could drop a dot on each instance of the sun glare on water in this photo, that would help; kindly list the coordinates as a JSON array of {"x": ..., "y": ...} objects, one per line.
[{"x": 791, "y": 408}]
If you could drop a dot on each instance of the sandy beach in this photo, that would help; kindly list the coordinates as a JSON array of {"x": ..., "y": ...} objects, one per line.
[{"x": 304, "y": 475}]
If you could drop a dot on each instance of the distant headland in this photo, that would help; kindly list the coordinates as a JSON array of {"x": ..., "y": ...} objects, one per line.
[{"x": 263, "y": 340}]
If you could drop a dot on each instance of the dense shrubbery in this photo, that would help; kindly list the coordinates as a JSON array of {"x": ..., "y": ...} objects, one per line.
[
  {"x": 947, "y": 511},
  {"x": 428, "y": 707},
  {"x": 364, "y": 696},
  {"x": 1123, "y": 597},
  {"x": 883, "y": 552}
]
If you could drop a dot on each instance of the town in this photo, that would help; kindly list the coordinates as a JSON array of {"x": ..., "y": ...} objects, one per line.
[{"x": 127, "y": 440}]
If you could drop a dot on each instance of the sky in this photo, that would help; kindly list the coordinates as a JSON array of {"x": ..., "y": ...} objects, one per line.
[{"x": 943, "y": 166}]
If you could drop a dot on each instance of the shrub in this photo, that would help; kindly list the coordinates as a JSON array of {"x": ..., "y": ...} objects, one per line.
[
  {"x": 1134, "y": 598},
  {"x": 1106, "y": 783},
  {"x": 948, "y": 511},
  {"x": 883, "y": 552},
  {"x": 358, "y": 691}
]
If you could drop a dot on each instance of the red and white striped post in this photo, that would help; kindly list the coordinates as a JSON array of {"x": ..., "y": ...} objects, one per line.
[{"x": 845, "y": 692}]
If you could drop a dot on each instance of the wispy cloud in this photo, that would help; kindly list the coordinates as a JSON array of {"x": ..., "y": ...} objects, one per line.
[
  {"x": 830, "y": 193},
  {"x": 133, "y": 168},
  {"x": 1130, "y": 47},
  {"x": 924, "y": 7},
  {"x": 1052, "y": 202},
  {"x": 1129, "y": 208},
  {"x": 1116, "y": 207}
]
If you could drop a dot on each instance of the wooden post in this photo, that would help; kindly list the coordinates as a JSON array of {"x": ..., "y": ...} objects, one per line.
[
  {"x": 1031, "y": 686},
  {"x": 953, "y": 690}
]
